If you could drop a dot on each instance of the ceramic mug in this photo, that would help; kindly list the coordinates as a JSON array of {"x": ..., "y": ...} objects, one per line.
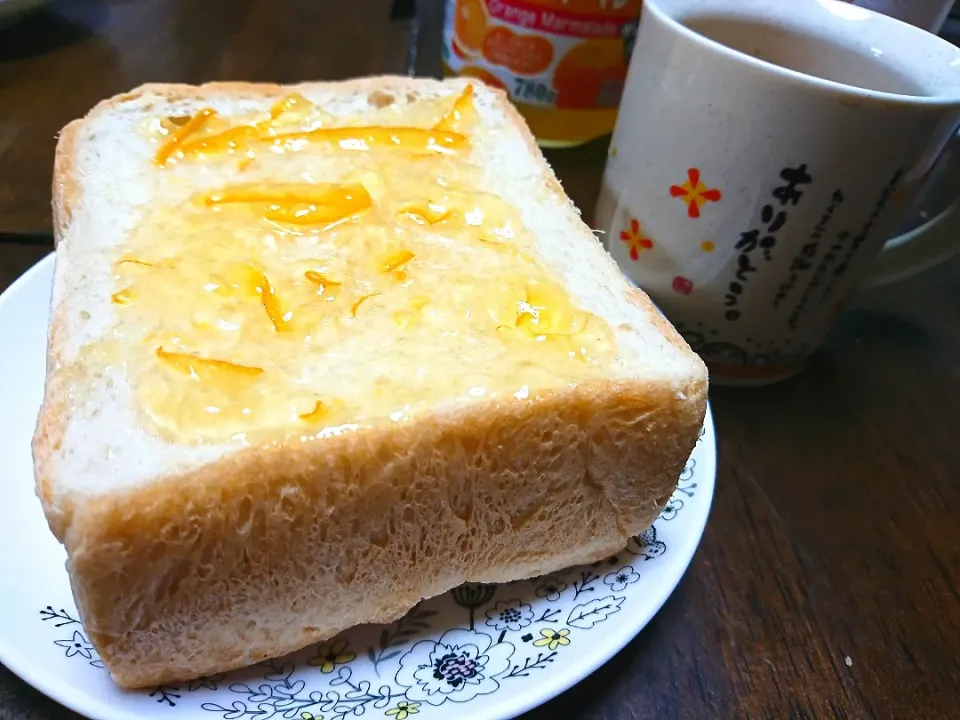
[{"x": 763, "y": 154}]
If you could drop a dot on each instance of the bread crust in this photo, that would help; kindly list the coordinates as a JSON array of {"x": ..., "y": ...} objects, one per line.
[
  {"x": 272, "y": 548},
  {"x": 54, "y": 412}
]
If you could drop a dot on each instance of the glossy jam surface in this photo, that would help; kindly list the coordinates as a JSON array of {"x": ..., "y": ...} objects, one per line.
[{"x": 333, "y": 273}]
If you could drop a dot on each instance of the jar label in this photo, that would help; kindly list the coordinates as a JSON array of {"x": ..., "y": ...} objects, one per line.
[{"x": 564, "y": 54}]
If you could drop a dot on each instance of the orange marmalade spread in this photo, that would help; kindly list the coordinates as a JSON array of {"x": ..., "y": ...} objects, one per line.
[{"x": 300, "y": 273}]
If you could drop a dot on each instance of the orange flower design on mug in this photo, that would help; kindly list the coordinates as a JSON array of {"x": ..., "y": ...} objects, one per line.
[
  {"x": 695, "y": 193},
  {"x": 635, "y": 240}
]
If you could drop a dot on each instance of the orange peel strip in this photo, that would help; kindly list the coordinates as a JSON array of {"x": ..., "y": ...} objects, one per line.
[
  {"x": 396, "y": 260},
  {"x": 232, "y": 139},
  {"x": 195, "y": 365},
  {"x": 122, "y": 297},
  {"x": 358, "y": 303},
  {"x": 298, "y": 203},
  {"x": 271, "y": 303},
  {"x": 459, "y": 114},
  {"x": 320, "y": 278},
  {"x": 192, "y": 125},
  {"x": 288, "y": 103},
  {"x": 319, "y": 412}
]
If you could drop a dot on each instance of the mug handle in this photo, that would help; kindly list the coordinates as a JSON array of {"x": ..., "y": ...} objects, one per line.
[{"x": 924, "y": 247}]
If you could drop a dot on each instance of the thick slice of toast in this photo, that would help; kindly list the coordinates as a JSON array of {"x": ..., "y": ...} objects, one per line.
[{"x": 318, "y": 352}]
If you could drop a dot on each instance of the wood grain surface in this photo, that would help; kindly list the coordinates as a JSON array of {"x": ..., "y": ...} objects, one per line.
[{"x": 826, "y": 585}]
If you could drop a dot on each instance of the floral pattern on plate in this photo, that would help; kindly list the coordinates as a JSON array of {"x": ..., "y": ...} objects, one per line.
[{"x": 452, "y": 651}]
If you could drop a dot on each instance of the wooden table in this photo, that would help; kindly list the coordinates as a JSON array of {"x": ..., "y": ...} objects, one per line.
[{"x": 828, "y": 582}]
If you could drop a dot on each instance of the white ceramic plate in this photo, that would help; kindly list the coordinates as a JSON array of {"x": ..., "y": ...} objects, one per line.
[{"x": 479, "y": 652}]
